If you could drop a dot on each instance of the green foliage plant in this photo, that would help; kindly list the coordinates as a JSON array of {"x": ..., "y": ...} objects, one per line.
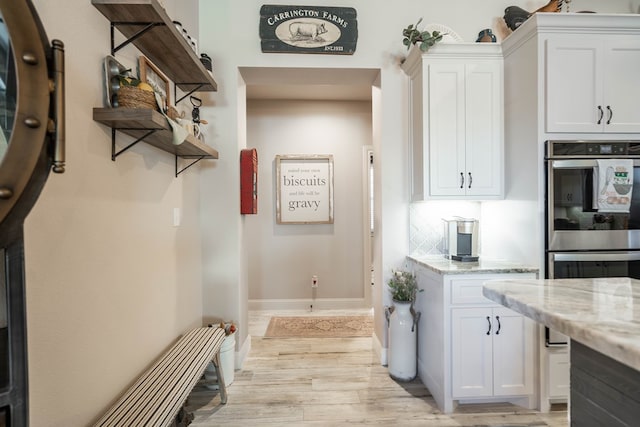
[
  {"x": 403, "y": 286},
  {"x": 426, "y": 39}
]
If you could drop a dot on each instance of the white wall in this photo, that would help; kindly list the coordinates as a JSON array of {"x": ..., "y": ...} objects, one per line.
[
  {"x": 283, "y": 257},
  {"x": 110, "y": 282}
]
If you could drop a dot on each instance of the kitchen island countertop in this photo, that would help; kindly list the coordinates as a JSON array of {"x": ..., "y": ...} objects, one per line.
[
  {"x": 442, "y": 265},
  {"x": 603, "y": 313}
]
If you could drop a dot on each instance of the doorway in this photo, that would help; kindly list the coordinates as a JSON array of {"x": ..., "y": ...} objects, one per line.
[{"x": 325, "y": 109}]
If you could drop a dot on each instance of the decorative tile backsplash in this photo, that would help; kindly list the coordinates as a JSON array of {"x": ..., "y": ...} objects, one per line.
[{"x": 426, "y": 226}]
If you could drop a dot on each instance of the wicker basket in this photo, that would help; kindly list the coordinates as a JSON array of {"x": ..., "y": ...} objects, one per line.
[{"x": 132, "y": 97}]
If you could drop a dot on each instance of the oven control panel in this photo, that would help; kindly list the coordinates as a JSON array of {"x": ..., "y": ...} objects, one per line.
[{"x": 577, "y": 149}]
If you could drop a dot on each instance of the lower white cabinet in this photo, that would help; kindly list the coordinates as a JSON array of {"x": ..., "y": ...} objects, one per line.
[
  {"x": 469, "y": 348},
  {"x": 491, "y": 353}
]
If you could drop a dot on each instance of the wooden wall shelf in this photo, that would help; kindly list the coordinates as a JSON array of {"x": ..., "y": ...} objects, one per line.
[
  {"x": 151, "y": 127},
  {"x": 160, "y": 42}
]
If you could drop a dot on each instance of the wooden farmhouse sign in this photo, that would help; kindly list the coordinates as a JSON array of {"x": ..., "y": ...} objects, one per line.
[
  {"x": 308, "y": 29},
  {"x": 305, "y": 189}
]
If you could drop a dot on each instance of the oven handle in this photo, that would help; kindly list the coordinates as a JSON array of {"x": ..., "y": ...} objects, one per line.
[
  {"x": 581, "y": 163},
  {"x": 597, "y": 256}
]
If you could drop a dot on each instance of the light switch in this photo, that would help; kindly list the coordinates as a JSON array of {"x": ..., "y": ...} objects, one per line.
[{"x": 176, "y": 217}]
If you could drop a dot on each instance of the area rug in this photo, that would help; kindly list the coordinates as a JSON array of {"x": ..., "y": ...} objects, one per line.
[{"x": 320, "y": 327}]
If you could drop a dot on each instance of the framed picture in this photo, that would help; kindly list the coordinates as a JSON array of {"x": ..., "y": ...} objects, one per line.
[
  {"x": 152, "y": 75},
  {"x": 305, "y": 189}
]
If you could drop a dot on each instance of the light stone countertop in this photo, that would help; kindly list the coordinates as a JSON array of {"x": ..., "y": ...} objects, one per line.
[
  {"x": 602, "y": 313},
  {"x": 441, "y": 265}
]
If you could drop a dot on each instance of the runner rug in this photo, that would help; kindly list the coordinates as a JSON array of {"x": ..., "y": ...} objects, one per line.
[{"x": 320, "y": 327}]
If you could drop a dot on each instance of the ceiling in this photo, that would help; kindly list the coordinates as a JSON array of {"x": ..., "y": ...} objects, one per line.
[{"x": 335, "y": 84}]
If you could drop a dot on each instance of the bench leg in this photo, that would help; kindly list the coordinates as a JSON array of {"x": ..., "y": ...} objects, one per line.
[{"x": 222, "y": 387}]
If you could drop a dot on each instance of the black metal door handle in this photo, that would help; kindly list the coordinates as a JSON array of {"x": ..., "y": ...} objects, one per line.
[
  {"x": 489, "y": 322},
  {"x": 461, "y": 180},
  {"x": 601, "y": 114},
  {"x": 610, "y": 114},
  {"x": 499, "y": 325},
  {"x": 470, "y": 180}
]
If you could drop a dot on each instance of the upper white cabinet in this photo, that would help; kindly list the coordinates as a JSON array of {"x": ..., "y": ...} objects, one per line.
[
  {"x": 457, "y": 109},
  {"x": 592, "y": 84}
]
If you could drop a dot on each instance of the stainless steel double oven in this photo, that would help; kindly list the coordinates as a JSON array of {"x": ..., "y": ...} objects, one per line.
[{"x": 583, "y": 241}]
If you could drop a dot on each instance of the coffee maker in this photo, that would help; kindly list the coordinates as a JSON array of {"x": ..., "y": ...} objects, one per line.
[{"x": 461, "y": 239}]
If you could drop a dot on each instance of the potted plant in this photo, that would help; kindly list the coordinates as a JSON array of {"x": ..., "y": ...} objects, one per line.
[
  {"x": 402, "y": 319},
  {"x": 403, "y": 286},
  {"x": 426, "y": 39}
]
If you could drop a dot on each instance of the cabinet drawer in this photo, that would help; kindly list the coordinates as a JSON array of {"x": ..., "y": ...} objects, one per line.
[{"x": 468, "y": 291}]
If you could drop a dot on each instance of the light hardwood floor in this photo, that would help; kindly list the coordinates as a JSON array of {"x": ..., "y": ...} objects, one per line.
[{"x": 335, "y": 382}]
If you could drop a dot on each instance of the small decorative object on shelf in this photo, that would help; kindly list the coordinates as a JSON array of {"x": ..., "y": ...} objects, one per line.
[
  {"x": 486, "y": 36},
  {"x": 206, "y": 61},
  {"x": 426, "y": 39},
  {"x": 402, "y": 318},
  {"x": 514, "y": 16}
]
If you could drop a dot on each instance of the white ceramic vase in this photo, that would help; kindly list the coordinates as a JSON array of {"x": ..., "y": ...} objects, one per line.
[{"x": 402, "y": 342}]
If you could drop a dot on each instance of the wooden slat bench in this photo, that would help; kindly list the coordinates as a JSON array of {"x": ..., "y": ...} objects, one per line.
[{"x": 156, "y": 397}]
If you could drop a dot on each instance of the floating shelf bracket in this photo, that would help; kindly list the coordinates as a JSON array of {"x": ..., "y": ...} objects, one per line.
[
  {"x": 175, "y": 90},
  {"x": 148, "y": 26},
  {"x": 115, "y": 153},
  {"x": 178, "y": 172}
]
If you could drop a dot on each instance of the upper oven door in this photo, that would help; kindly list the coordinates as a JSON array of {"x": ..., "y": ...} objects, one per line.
[{"x": 574, "y": 223}]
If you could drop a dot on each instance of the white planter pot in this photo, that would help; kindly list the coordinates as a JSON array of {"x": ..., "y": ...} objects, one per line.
[
  {"x": 226, "y": 362},
  {"x": 402, "y": 343}
]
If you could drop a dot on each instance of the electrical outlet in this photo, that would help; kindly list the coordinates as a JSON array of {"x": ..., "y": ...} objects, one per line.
[{"x": 314, "y": 281}]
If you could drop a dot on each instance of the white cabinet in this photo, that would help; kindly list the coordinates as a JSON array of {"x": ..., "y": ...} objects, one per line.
[
  {"x": 456, "y": 115},
  {"x": 491, "y": 353},
  {"x": 592, "y": 84},
  {"x": 469, "y": 348}
]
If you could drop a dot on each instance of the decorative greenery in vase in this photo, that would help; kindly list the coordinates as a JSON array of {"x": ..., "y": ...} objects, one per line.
[
  {"x": 426, "y": 39},
  {"x": 403, "y": 286}
]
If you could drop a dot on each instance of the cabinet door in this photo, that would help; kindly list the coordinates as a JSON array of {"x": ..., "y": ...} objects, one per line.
[
  {"x": 574, "y": 85},
  {"x": 471, "y": 358},
  {"x": 446, "y": 129},
  {"x": 483, "y": 129},
  {"x": 622, "y": 86},
  {"x": 513, "y": 344}
]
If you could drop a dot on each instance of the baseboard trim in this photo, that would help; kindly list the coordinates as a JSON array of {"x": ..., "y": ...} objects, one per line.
[
  {"x": 379, "y": 350},
  {"x": 242, "y": 353},
  {"x": 305, "y": 304}
]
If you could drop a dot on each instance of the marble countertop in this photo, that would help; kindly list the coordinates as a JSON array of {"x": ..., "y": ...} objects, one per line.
[
  {"x": 441, "y": 265},
  {"x": 599, "y": 313}
]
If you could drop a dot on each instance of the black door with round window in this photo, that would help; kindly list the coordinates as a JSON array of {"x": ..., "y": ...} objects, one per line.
[{"x": 31, "y": 145}]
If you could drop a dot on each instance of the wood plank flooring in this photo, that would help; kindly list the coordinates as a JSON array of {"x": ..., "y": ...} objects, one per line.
[{"x": 336, "y": 382}]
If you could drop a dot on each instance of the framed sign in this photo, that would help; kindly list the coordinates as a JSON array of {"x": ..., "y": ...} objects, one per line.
[
  {"x": 152, "y": 75},
  {"x": 305, "y": 189},
  {"x": 308, "y": 29}
]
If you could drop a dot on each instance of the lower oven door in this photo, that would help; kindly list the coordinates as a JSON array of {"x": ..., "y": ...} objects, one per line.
[{"x": 588, "y": 265}]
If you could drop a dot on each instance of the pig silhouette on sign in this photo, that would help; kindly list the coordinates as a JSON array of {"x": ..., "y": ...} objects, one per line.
[{"x": 300, "y": 30}]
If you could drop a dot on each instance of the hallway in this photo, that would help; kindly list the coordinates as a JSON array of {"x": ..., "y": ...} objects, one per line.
[{"x": 335, "y": 382}]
